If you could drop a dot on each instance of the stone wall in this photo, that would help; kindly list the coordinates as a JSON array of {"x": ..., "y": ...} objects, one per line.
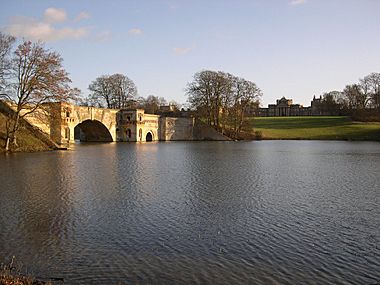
[{"x": 176, "y": 129}]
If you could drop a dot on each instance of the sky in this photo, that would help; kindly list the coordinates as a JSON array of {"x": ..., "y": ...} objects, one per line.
[{"x": 291, "y": 48}]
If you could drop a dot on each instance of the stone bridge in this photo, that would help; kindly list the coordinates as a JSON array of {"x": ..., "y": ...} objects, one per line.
[
  {"x": 64, "y": 123},
  {"x": 68, "y": 122}
]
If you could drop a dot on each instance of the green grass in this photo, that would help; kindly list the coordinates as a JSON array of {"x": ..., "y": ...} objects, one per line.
[
  {"x": 26, "y": 140},
  {"x": 315, "y": 128}
]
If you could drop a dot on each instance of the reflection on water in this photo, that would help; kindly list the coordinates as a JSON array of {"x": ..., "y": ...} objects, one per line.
[{"x": 273, "y": 212}]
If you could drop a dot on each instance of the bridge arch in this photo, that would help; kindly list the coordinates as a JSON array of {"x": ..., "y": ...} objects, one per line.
[
  {"x": 149, "y": 136},
  {"x": 92, "y": 131}
]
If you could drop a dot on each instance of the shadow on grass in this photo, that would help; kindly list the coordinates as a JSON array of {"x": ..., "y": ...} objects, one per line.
[
  {"x": 315, "y": 128},
  {"x": 299, "y": 122},
  {"x": 352, "y": 135}
]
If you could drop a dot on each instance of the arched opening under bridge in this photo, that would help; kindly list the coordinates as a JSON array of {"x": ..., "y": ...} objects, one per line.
[{"x": 92, "y": 131}]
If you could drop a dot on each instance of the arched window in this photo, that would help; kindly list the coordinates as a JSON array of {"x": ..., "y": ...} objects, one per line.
[
  {"x": 128, "y": 133},
  {"x": 67, "y": 133}
]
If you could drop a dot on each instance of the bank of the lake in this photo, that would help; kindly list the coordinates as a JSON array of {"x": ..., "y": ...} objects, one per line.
[
  {"x": 20, "y": 280},
  {"x": 29, "y": 139},
  {"x": 315, "y": 128},
  {"x": 270, "y": 128}
]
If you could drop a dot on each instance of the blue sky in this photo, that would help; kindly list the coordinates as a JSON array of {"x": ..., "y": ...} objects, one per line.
[{"x": 291, "y": 48}]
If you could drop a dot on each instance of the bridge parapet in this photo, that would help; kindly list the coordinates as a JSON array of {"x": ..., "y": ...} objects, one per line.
[{"x": 66, "y": 122}]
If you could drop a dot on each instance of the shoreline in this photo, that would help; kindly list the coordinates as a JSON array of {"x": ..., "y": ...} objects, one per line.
[
  {"x": 3, "y": 152},
  {"x": 321, "y": 128}
]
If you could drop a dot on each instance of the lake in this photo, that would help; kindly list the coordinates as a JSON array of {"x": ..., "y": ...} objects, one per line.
[{"x": 263, "y": 212}]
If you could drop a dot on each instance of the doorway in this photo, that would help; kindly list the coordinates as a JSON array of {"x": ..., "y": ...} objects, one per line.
[{"x": 149, "y": 137}]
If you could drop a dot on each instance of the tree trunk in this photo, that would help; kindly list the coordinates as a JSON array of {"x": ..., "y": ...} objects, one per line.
[
  {"x": 7, "y": 140},
  {"x": 11, "y": 133},
  {"x": 241, "y": 120},
  {"x": 15, "y": 128},
  {"x": 8, "y": 134}
]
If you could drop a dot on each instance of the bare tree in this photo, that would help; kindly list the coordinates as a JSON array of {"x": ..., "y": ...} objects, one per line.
[
  {"x": 355, "y": 97},
  {"x": 372, "y": 83},
  {"x": 246, "y": 93},
  {"x": 6, "y": 43},
  {"x": 139, "y": 103},
  {"x": 200, "y": 94},
  {"x": 222, "y": 98},
  {"x": 36, "y": 77},
  {"x": 205, "y": 94},
  {"x": 152, "y": 104},
  {"x": 123, "y": 91},
  {"x": 117, "y": 91},
  {"x": 329, "y": 104},
  {"x": 101, "y": 90}
]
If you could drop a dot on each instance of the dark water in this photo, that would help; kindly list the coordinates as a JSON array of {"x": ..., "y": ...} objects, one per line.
[{"x": 271, "y": 212}]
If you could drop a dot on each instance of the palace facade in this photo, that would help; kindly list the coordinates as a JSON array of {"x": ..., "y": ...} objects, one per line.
[{"x": 285, "y": 107}]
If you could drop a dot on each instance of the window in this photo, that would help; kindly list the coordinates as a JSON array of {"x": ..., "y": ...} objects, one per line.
[{"x": 67, "y": 133}]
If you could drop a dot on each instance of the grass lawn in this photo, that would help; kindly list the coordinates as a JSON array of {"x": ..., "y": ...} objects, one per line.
[
  {"x": 26, "y": 140},
  {"x": 315, "y": 128}
]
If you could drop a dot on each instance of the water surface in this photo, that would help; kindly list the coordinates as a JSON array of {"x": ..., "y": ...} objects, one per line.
[{"x": 270, "y": 212}]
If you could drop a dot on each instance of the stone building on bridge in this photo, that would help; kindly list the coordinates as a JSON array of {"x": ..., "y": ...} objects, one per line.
[{"x": 70, "y": 122}]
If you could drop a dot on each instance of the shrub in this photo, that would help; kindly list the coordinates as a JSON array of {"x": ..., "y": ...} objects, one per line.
[{"x": 258, "y": 135}]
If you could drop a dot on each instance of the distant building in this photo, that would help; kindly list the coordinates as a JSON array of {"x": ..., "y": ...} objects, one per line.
[
  {"x": 172, "y": 110},
  {"x": 285, "y": 108},
  {"x": 167, "y": 108},
  {"x": 315, "y": 107}
]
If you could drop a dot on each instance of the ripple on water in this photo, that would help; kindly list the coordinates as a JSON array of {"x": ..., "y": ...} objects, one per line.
[{"x": 203, "y": 212}]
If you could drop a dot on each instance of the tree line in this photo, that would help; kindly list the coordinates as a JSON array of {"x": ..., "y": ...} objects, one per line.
[
  {"x": 222, "y": 99},
  {"x": 117, "y": 91},
  {"x": 354, "y": 99}
]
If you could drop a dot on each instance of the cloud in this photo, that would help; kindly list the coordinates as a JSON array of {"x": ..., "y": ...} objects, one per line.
[
  {"x": 44, "y": 29},
  {"x": 297, "y": 2},
  {"x": 103, "y": 36},
  {"x": 33, "y": 29},
  {"x": 182, "y": 51},
  {"x": 54, "y": 15},
  {"x": 135, "y": 31},
  {"x": 82, "y": 16}
]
